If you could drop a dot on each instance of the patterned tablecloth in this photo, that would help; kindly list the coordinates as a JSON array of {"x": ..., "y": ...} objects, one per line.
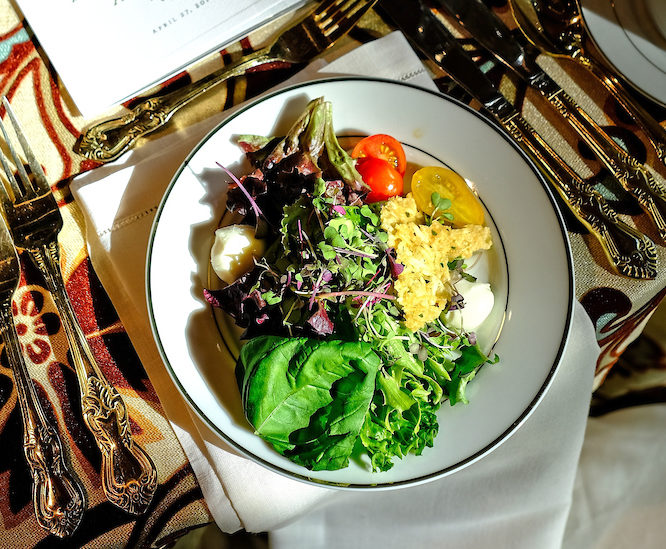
[{"x": 618, "y": 307}]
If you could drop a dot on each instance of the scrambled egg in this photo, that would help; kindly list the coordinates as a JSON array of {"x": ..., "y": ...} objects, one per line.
[{"x": 424, "y": 286}]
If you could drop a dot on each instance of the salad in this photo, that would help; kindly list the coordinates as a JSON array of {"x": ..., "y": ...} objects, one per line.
[{"x": 356, "y": 302}]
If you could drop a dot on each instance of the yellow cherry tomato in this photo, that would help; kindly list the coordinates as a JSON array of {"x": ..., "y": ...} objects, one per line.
[{"x": 465, "y": 206}]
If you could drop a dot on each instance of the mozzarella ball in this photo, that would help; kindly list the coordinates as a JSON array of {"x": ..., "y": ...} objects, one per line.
[
  {"x": 479, "y": 301},
  {"x": 234, "y": 251}
]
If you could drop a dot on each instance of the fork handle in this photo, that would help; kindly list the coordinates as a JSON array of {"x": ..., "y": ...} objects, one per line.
[
  {"x": 129, "y": 476},
  {"x": 108, "y": 140},
  {"x": 629, "y": 252},
  {"x": 57, "y": 494},
  {"x": 631, "y": 174}
]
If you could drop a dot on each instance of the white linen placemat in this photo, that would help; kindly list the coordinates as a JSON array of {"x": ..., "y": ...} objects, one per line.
[{"x": 119, "y": 201}]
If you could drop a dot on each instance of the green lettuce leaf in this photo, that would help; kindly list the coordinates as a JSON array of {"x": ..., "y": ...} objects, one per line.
[
  {"x": 306, "y": 397},
  {"x": 465, "y": 369}
]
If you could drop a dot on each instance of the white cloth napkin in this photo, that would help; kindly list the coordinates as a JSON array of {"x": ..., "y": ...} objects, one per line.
[
  {"x": 517, "y": 497},
  {"x": 119, "y": 201},
  {"x": 619, "y": 497}
]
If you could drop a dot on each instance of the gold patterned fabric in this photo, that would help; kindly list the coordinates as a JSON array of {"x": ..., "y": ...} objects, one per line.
[
  {"x": 618, "y": 307},
  {"x": 178, "y": 504}
]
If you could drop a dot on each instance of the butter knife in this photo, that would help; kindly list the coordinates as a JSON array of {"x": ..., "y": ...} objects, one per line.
[
  {"x": 629, "y": 252},
  {"x": 489, "y": 31}
]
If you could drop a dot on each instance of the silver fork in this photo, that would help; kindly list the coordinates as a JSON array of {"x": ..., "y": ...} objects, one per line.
[
  {"x": 57, "y": 494},
  {"x": 300, "y": 43},
  {"x": 129, "y": 477}
]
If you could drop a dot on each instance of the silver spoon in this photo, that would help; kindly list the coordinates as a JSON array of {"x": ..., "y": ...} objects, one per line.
[{"x": 556, "y": 27}]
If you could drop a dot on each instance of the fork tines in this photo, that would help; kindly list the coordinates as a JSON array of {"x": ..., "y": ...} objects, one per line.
[
  {"x": 31, "y": 186},
  {"x": 331, "y": 14}
]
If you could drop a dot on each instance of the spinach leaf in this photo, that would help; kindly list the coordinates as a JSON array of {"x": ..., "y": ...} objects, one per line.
[
  {"x": 306, "y": 397},
  {"x": 330, "y": 437}
]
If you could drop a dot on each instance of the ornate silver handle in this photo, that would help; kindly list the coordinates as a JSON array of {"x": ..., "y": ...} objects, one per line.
[
  {"x": 631, "y": 174},
  {"x": 629, "y": 252},
  {"x": 108, "y": 140},
  {"x": 129, "y": 477},
  {"x": 58, "y": 496}
]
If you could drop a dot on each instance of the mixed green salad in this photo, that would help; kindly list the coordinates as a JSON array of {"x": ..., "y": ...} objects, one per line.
[{"x": 328, "y": 371}]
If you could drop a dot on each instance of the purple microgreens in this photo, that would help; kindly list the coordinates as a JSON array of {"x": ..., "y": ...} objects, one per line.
[
  {"x": 352, "y": 251},
  {"x": 286, "y": 279},
  {"x": 265, "y": 266},
  {"x": 354, "y": 199},
  {"x": 383, "y": 289},
  {"x": 261, "y": 319},
  {"x": 211, "y": 298},
  {"x": 457, "y": 302},
  {"x": 320, "y": 321},
  {"x": 373, "y": 276},
  {"x": 372, "y": 299},
  {"x": 326, "y": 295},
  {"x": 255, "y": 206},
  {"x": 255, "y": 296},
  {"x": 396, "y": 268},
  {"x": 315, "y": 289},
  {"x": 300, "y": 232},
  {"x": 363, "y": 306},
  {"x": 372, "y": 237},
  {"x": 471, "y": 337},
  {"x": 340, "y": 209}
]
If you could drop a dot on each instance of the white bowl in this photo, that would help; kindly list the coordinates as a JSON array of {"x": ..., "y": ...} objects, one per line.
[{"x": 529, "y": 269}]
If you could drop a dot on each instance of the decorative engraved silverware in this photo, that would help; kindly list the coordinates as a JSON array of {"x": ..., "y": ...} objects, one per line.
[
  {"x": 629, "y": 252},
  {"x": 298, "y": 44},
  {"x": 57, "y": 494},
  {"x": 129, "y": 477},
  {"x": 556, "y": 27},
  {"x": 631, "y": 174}
]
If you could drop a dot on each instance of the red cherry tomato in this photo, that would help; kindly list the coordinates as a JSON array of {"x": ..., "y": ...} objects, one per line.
[
  {"x": 384, "y": 147},
  {"x": 382, "y": 178}
]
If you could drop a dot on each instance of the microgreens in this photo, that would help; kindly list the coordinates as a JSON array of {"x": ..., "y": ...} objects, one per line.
[
  {"x": 441, "y": 205},
  {"x": 253, "y": 203}
]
